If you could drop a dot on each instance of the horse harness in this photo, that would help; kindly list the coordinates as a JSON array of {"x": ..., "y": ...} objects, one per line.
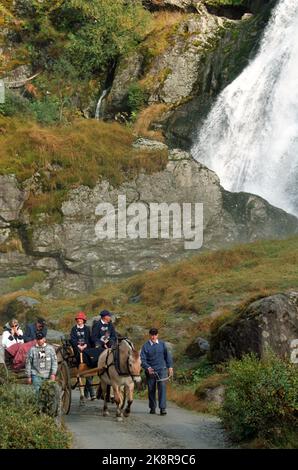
[{"x": 116, "y": 363}]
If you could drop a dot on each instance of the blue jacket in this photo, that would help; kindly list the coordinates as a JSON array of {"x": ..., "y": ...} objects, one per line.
[
  {"x": 82, "y": 334},
  {"x": 30, "y": 332},
  {"x": 156, "y": 355}
]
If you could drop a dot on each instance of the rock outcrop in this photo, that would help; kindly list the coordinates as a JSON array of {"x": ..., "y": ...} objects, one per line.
[
  {"x": 201, "y": 54},
  {"x": 73, "y": 260},
  {"x": 268, "y": 323},
  {"x": 184, "y": 5}
]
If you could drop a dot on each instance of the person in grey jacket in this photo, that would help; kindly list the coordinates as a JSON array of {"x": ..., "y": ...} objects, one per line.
[
  {"x": 41, "y": 363},
  {"x": 157, "y": 362}
]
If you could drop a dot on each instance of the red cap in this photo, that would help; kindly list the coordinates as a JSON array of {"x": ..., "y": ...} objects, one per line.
[{"x": 81, "y": 316}]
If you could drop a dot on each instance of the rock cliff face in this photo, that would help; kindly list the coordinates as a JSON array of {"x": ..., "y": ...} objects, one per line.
[
  {"x": 71, "y": 258},
  {"x": 268, "y": 323},
  {"x": 205, "y": 50}
]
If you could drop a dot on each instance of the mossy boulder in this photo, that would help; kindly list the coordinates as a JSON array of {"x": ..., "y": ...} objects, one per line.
[{"x": 268, "y": 323}]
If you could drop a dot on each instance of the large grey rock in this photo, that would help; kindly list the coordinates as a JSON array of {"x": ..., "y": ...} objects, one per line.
[
  {"x": 87, "y": 261},
  {"x": 230, "y": 50},
  {"x": 147, "y": 144},
  {"x": 198, "y": 347},
  {"x": 182, "y": 63},
  {"x": 27, "y": 301},
  {"x": 12, "y": 198},
  {"x": 127, "y": 72},
  {"x": 213, "y": 395},
  {"x": 268, "y": 323},
  {"x": 25, "y": 309},
  {"x": 184, "y": 5},
  {"x": 18, "y": 76},
  {"x": 55, "y": 336},
  {"x": 74, "y": 260}
]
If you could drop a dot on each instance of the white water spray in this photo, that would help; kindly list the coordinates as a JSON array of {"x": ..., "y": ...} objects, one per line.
[
  {"x": 99, "y": 103},
  {"x": 250, "y": 138}
]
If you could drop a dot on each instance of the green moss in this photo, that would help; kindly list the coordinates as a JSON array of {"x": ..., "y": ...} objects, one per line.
[
  {"x": 64, "y": 157},
  {"x": 26, "y": 281}
]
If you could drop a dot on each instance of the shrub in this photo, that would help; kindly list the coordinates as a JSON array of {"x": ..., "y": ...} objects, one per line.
[
  {"x": 261, "y": 397},
  {"x": 108, "y": 30},
  {"x": 15, "y": 104},
  {"x": 22, "y": 426},
  {"x": 203, "y": 370},
  {"x": 136, "y": 98},
  {"x": 46, "y": 111}
]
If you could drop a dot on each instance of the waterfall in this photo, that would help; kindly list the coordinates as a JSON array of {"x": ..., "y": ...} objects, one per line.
[
  {"x": 250, "y": 138},
  {"x": 99, "y": 103}
]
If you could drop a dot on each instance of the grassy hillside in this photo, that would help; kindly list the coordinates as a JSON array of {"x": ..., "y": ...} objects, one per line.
[
  {"x": 67, "y": 156},
  {"x": 187, "y": 298}
]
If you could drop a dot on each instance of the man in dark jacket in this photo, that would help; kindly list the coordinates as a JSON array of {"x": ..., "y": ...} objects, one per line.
[
  {"x": 103, "y": 333},
  {"x": 32, "y": 328},
  {"x": 156, "y": 359}
]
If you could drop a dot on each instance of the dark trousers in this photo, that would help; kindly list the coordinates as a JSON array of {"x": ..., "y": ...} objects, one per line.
[
  {"x": 152, "y": 382},
  {"x": 88, "y": 389}
]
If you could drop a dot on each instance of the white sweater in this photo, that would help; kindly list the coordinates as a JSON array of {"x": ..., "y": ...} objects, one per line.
[{"x": 6, "y": 342}]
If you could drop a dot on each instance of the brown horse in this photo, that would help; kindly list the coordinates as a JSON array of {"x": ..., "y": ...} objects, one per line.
[
  {"x": 121, "y": 374},
  {"x": 120, "y": 368}
]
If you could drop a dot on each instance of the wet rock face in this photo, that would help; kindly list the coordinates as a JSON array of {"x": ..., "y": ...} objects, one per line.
[
  {"x": 268, "y": 323},
  {"x": 127, "y": 72}
]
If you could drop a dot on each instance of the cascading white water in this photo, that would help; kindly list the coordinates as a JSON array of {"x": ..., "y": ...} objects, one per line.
[
  {"x": 98, "y": 106},
  {"x": 250, "y": 138}
]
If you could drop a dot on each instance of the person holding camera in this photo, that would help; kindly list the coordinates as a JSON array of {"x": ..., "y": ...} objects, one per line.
[
  {"x": 33, "y": 328},
  {"x": 12, "y": 334}
]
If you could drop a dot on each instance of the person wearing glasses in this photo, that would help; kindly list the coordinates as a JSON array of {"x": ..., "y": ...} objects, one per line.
[
  {"x": 12, "y": 334},
  {"x": 157, "y": 363}
]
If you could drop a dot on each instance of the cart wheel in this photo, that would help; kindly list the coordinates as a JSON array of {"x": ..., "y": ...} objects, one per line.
[{"x": 65, "y": 384}]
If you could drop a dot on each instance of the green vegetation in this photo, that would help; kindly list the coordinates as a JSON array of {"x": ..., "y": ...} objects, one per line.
[
  {"x": 225, "y": 3},
  {"x": 72, "y": 45},
  {"x": 68, "y": 156},
  {"x": 178, "y": 299},
  {"x": 261, "y": 400},
  {"x": 136, "y": 100},
  {"x": 27, "y": 281},
  {"x": 22, "y": 426}
]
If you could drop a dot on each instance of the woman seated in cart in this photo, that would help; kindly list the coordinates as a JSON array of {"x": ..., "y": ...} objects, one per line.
[
  {"x": 13, "y": 343},
  {"x": 80, "y": 338}
]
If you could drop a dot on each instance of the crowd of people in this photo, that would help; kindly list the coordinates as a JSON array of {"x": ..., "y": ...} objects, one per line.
[{"x": 31, "y": 351}]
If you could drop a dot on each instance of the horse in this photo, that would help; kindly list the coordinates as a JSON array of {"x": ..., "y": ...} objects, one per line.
[{"x": 119, "y": 367}]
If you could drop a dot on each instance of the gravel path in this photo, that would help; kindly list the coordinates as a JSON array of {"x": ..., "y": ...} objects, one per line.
[{"x": 179, "y": 429}]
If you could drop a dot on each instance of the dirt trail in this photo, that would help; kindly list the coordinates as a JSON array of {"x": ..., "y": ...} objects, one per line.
[{"x": 179, "y": 429}]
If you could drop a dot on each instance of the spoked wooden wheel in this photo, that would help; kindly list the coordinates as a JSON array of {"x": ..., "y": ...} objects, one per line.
[{"x": 65, "y": 383}]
